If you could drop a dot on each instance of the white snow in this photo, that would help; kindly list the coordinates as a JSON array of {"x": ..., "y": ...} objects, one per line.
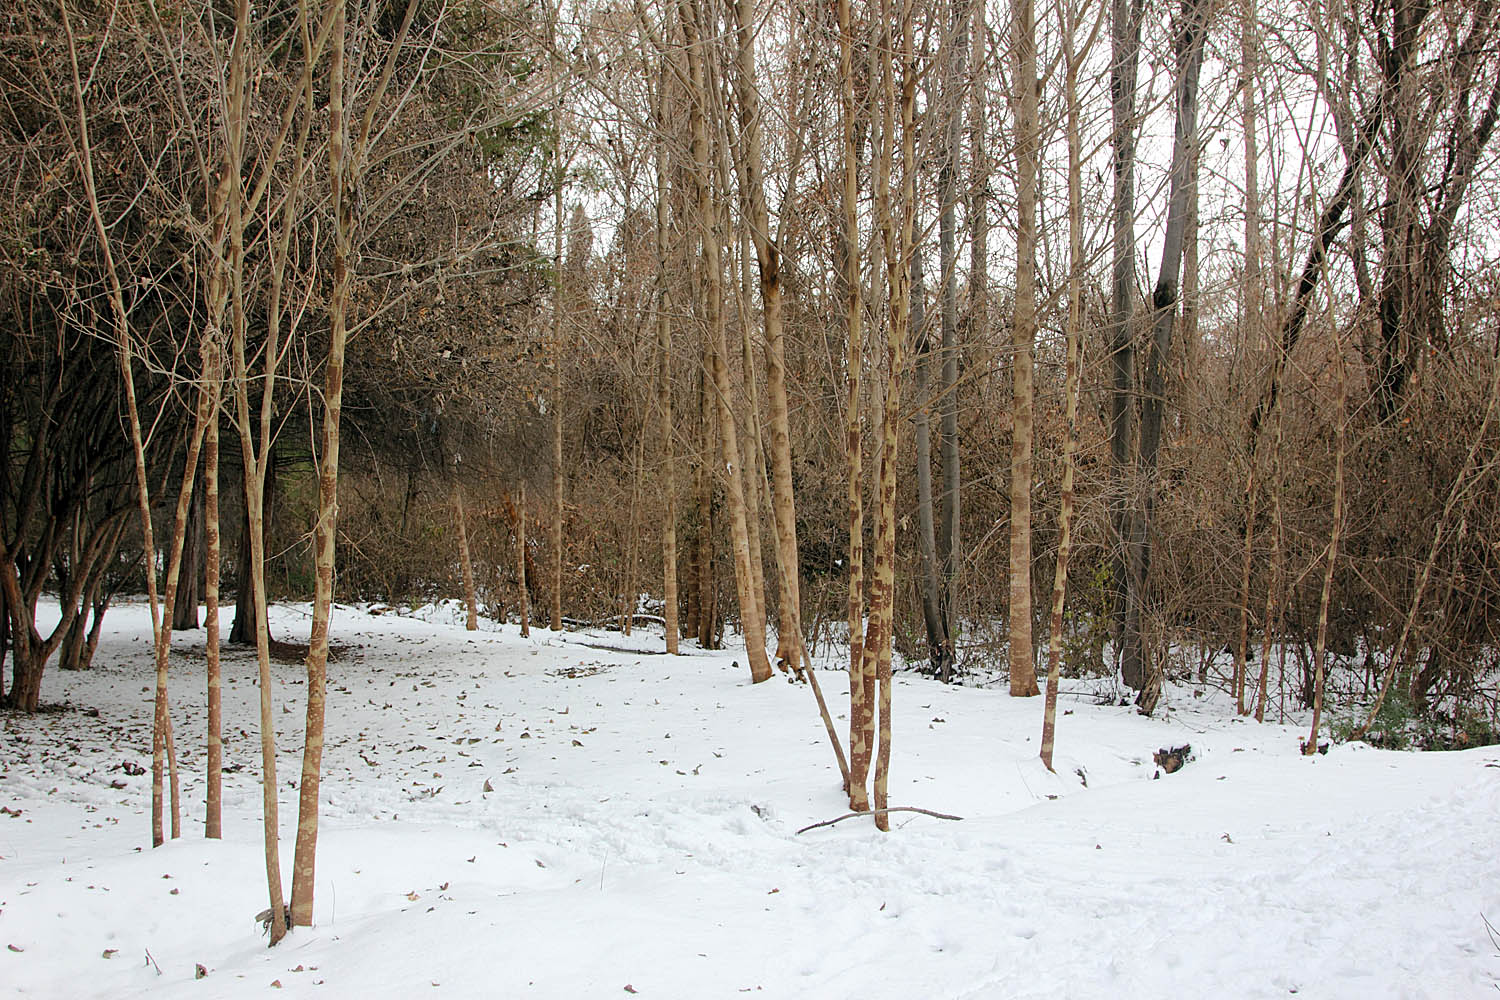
[{"x": 641, "y": 838}]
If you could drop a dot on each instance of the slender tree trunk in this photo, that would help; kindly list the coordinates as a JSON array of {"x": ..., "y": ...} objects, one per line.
[
  {"x": 243, "y": 630},
  {"x": 160, "y": 623},
  {"x": 1341, "y": 434},
  {"x": 1076, "y": 265},
  {"x": 950, "y": 541},
  {"x": 954, "y": 82},
  {"x": 897, "y": 222},
  {"x": 346, "y": 160},
  {"x": 213, "y": 824},
  {"x": 471, "y": 605},
  {"x": 523, "y": 600},
  {"x": 558, "y": 478},
  {"x": 1189, "y": 46},
  {"x": 664, "y": 376},
  {"x": 751, "y": 447},
  {"x": 190, "y": 580},
  {"x": 630, "y": 598},
  {"x": 929, "y": 584},
  {"x": 752, "y": 618},
  {"x": 1023, "y": 338},
  {"x": 859, "y": 707},
  {"x": 1251, "y": 304},
  {"x": 768, "y": 254},
  {"x": 1272, "y": 613},
  {"x": 164, "y": 624},
  {"x": 1125, "y": 39},
  {"x": 708, "y": 602}
]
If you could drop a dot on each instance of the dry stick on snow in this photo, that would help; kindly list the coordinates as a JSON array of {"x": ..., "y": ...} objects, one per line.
[{"x": 880, "y": 812}]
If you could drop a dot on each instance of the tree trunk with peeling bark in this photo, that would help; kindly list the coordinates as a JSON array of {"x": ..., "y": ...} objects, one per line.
[
  {"x": 768, "y": 257},
  {"x": 894, "y": 215},
  {"x": 347, "y": 155},
  {"x": 213, "y": 823},
  {"x": 1023, "y": 338},
  {"x": 752, "y": 615},
  {"x": 859, "y": 712},
  {"x": 1076, "y": 265}
]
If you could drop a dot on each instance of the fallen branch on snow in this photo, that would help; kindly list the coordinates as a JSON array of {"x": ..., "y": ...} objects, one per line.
[{"x": 879, "y": 812}]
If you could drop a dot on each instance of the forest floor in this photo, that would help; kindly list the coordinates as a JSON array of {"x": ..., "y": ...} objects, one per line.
[{"x": 641, "y": 837}]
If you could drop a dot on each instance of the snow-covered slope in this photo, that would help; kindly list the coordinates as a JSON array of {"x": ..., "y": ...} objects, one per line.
[{"x": 640, "y": 837}]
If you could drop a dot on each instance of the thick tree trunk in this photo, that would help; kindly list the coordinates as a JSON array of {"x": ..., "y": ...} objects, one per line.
[{"x": 752, "y": 451}]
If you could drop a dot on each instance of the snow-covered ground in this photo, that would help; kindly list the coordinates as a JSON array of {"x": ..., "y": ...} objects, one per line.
[{"x": 641, "y": 838}]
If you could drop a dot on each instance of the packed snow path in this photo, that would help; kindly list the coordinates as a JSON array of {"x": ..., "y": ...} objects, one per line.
[{"x": 640, "y": 838}]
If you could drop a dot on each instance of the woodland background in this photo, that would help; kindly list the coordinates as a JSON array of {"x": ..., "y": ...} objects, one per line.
[{"x": 896, "y": 325}]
